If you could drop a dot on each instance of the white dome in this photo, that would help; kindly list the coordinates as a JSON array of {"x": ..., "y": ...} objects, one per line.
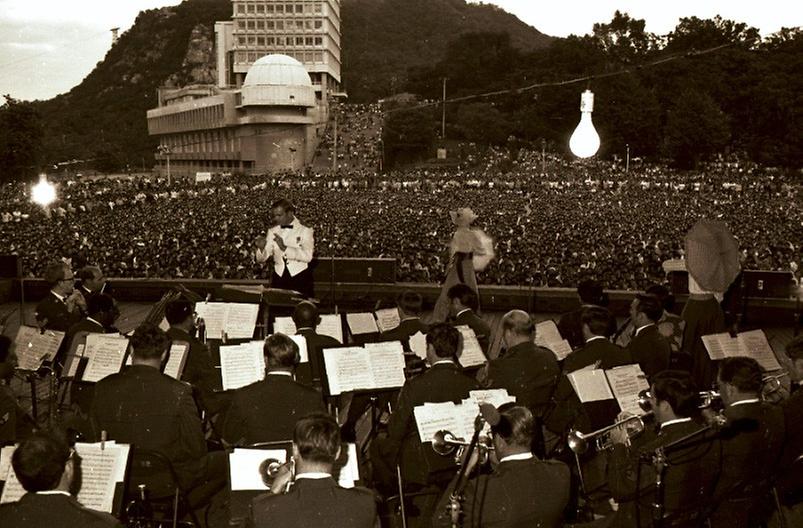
[{"x": 277, "y": 70}]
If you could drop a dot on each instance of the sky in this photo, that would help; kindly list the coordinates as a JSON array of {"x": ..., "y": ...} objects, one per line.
[{"x": 49, "y": 46}]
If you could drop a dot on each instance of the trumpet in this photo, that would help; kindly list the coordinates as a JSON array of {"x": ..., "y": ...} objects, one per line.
[
  {"x": 579, "y": 442},
  {"x": 270, "y": 469},
  {"x": 707, "y": 399},
  {"x": 445, "y": 443},
  {"x": 773, "y": 390}
]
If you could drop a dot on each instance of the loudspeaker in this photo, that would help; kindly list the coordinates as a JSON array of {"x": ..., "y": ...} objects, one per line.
[
  {"x": 767, "y": 284},
  {"x": 10, "y": 267},
  {"x": 360, "y": 270}
]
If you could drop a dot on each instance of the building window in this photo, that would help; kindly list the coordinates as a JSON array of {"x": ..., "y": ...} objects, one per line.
[
  {"x": 271, "y": 41},
  {"x": 260, "y": 41},
  {"x": 260, "y": 8},
  {"x": 260, "y": 24},
  {"x": 280, "y": 8},
  {"x": 299, "y": 8},
  {"x": 318, "y": 24},
  {"x": 308, "y": 41},
  {"x": 251, "y": 24},
  {"x": 280, "y": 41},
  {"x": 280, "y": 25},
  {"x": 318, "y": 41},
  {"x": 308, "y": 24},
  {"x": 252, "y": 56},
  {"x": 241, "y": 24},
  {"x": 317, "y": 56},
  {"x": 250, "y": 8},
  {"x": 317, "y": 7},
  {"x": 252, "y": 40},
  {"x": 269, "y": 25},
  {"x": 241, "y": 40},
  {"x": 241, "y": 8},
  {"x": 269, "y": 8},
  {"x": 299, "y": 41}
]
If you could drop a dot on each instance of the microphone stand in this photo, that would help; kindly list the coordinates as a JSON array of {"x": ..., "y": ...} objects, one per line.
[{"x": 455, "y": 507}]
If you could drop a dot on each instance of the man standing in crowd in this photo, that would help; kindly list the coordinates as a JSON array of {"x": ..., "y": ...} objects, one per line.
[
  {"x": 291, "y": 245},
  {"x": 648, "y": 347},
  {"x": 63, "y": 306},
  {"x": 315, "y": 499}
]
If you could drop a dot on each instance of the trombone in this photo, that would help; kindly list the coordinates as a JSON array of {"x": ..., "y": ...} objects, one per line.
[
  {"x": 270, "y": 469},
  {"x": 445, "y": 443}
]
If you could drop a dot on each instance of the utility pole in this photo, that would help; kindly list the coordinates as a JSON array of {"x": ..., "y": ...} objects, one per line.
[
  {"x": 543, "y": 156},
  {"x": 627, "y": 159},
  {"x": 443, "y": 116},
  {"x": 165, "y": 151}
]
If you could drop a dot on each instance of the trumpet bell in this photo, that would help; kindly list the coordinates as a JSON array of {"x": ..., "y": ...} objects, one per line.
[
  {"x": 577, "y": 442},
  {"x": 444, "y": 443},
  {"x": 268, "y": 470}
]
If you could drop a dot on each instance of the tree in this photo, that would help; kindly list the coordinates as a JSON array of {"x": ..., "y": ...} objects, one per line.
[
  {"x": 483, "y": 123},
  {"x": 623, "y": 39},
  {"x": 21, "y": 134},
  {"x": 695, "y": 128},
  {"x": 407, "y": 133}
]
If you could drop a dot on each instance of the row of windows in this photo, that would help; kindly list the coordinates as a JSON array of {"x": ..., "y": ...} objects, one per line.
[
  {"x": 258, "y": 40},
  {"x": 307, "y": 57},
  {"x": 209, "y": 115},
  {"x": 219, "y": 140},
  {"x": 281, "y": 24},
  {"x": 259, "y": 9}
]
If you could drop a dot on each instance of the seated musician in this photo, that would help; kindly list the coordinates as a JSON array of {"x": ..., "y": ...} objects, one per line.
[
  {"x": 63, "y": 306},
  {"x": 45, "y": 465},
  {"x": 15, "y": 423},
  {"x": 314, "y": 498},
  {"x": 307, "y": 319},
  {"x": 410, "y": 305},
  {"x": 751, "y": 446},
  {"x": 266, "y": 411},
  {"x": 692, "y": 467},
  {"x": 464, "y": 304},
  {"x": 596, "y": 349},
  {"x": 522, "y": 490}
]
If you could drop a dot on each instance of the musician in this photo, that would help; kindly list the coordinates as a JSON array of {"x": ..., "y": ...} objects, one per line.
[
  {"x": 411, "y": 306},
  {"x": 315, "y": 499},
  {"x": 307, "y": 319},
  {"x": 464, "y": 305},
  {"x": 521, "y": 491},
  {"x": 790, "y": 481},
  {"x": 751, "y": 450},
  {"x": 15, "y": 423},
  {"x": 290, "y": 244},
  {"x": 648, "y": 347},
  {"x": 267, "y": 410},
  {"x": 692, "y": 467},
  {"x": 596, "y": 350},
  {"x": 91, "y": 280},
  {"x": 570, "y": 326},
  {"x": 63, "y": 306},
  {"x": 670, "y": 326},
  {"x": 46, "y": 467}
]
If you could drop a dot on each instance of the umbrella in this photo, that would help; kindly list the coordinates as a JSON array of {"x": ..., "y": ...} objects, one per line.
[{"x": 712, "y": 255}]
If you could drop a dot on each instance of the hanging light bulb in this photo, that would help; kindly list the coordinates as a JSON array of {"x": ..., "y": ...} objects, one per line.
[
  {"x": 44, "y": 192},
  {"x": 584, "y": 142}
]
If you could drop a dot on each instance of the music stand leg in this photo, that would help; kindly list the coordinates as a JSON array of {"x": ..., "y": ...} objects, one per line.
[
  {"x": 402, "y": 507},
  {"x": 34, "y": 406}
]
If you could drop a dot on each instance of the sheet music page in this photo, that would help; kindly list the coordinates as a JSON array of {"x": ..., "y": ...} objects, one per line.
[
  {"x": 714, "y": 346},
  {"x": 100, "y": 469},
  {"x": 755, "y": 345},
  {"x": 361, "y": 323},
  {"x": 244, "y": 467},
  {"x": 241, "y": 320},
  {"x": 347, "y": 369},
  {"x": 284, "y": 325},
  {"x": 433, "y": 417},
  {"x": 241, "y": 366},
  {"x": 214, "y": 316},
  {"x": 626, "y": 382},
  {"x": 175, "y": 363},
  {"x": 387, "y": 364},
  {"x": 12, "y": 490},
  {"x": 561, "y": 348},
  {"x": 471, "y": 355},
  {"x": 5, "y": 461},
  {"x": 387, "y": 319},
  {"x": 496, "y": 397},
  {"x": 72, "y": 362},
  {"x": 301, "y": 341},
  {"x": 106, "y": 353},
  {"x": 418, "y": 344},
  {"x": 590, "y": 385},
  {"x": 350, "y": 473},
  {"x": 33, "y": 347},
  {"x": 548, "y": 336},
  {"x": 331, "y": 325},
  {"x": 466, "y": 414}
]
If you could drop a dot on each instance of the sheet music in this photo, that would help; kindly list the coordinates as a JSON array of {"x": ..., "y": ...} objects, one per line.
[
  {"x": 465, "y": 416},
  {"x": 387, "y": 319},
  {"x": 5, "y": 461},
  {"x": 331, "y": 325},
  {"x": 175, "y": 363},
  {"x": 590, "y": 385},
  {"x": 720, "y": 346},
  {"x": 347, "y": 369},
  {"x": 626, "y": 382},
  {"x": 241, "y": 365},
  {"x": 284, "y": 325},
  {"x": 755, "y": 345},
  {"x": 12, "y": 490},
  {"x": 496, "y": 397},
  {"x": 241, "y": 320},
  {"x": 548, "y": 336},
  {"x": 418, "y": 344},
  {"x": 74, "y": 361},
  {"x": 350, "y": 473},
  {"x": 33, "y": 347},
  {"x": 244, "y": 467},
  {"x": 471, "y": 355},
  {"x": 106, "y": 353},
  {"x": 301, "y": 341},
  {"x": 361, "y": 323},
  {"x": 214, "y": 316},
  {"x": 100, "y": 470},
  {"x": 433, "y": 417},
  {"x": 386, "y": 361}
]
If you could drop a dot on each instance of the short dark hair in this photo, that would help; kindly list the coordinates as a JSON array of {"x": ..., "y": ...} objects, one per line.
[
  {"x": 515, "y": 425},
  {"x": 445, "y": 340},
  {"x": 677, "y": 388},
  {"x": 591, "y": 292},
  {"x": 55, "y": 272},
  {"x": 177, "y": 311},
  {"x": 99, "y": 302},
  {"x": 5, "y": 348},
  {"x": 281, "y": 351},
  {"x": 795, "y": 348},
  {"x": 40, "y": 459},
  {"x": 597, "y": 318},
  {"x": 317, "y": 438},
  {"x": 149, "y": 341},
  {"x": 744, "y": 373},
  {"x": 650, "y": 306},
  {"x": 519, "y": 322},
  {"x": 305, "y": 315},
  {"x": 464, "y": 294},
  {"x": 410, "y": 302},
  {"x": 87, "y": 272},
  {"x": 285, "y": 204},
  {"x": 663, "y": 294}
]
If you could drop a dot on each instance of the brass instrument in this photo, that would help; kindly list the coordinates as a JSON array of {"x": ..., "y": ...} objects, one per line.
[
  {"x": 773, "y": 390},
  {"x": 445, "y": 443},
  {"x": 578, "y": 441},
  {"x": 707, "y": 399},
  {"x": 271, "y": 468}
]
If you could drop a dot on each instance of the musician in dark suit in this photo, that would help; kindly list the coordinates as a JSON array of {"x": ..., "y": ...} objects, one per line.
[
  {"x": 307, "y": 319},
  {"x": 46, "y": 466},
  {"x": 570, "y": 324},
  {"x": 464, "y": 304},
  {"x": 648, "y": 347},
  {"x": 692, "y": 467},
  {"x": 90, "y": 280},
  {"x": 63, "y": 306},
  {"x": 411, "y": 306},
  {"x": 315, "y": 499},
  {"x": 267, "y": 410},
  {"x": 596, "y": 349},
  {"x": 522, "y": 490},
  {"x": 751, "y": 451},
  {"x": 150, "y": 410},
  {"x": 15, "y": 423},
  {"x": 790, "y": 482}
]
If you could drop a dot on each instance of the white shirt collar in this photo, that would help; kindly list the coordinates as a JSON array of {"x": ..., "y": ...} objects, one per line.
[
  {"x": 95, "y": 321},
  {"x": 53, "y": 492},
  {"x": 461, "y": 311},
  {"x": 280, "y": 373},
  {"x": 744, "y": 402},
  {"x": 518, "y": 456},
  {"x": 304, "y": 328},
  {"x": 414, "y": 317},
  {"x": 59, "y": 296},
  {"x": 313, "y": 475},
  {"x": 640, "y": 328},
  {"x": 675, "y": 421},
  {"x": 590, "y": 339},
  {"x": 440, "y": 361}
]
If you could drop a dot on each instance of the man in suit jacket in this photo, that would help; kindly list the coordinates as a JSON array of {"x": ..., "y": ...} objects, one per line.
[
  {"x": 91, "y": 280},
  {"x": 315, "y": 499},
  {"x": 464, "y": 305},
  {"x": 45, "y": 466},
  {"x": 307, "y": 319},
  {"x": 150, "y": 410},
  {"x": 291, "y": 245},
  {"x": 596, "y": 349},
  {"x": 570, "y": 324},
  {"x": 267, "y": 410},
  {"x": 410, "y": 305},
  {"x": 751, "y": 449},
  {"x": 648, "y": 347},
  {"x": 790, "y": 482},
  {"x": 63, "y": 306},
  {"x": 522, "y": 490}
]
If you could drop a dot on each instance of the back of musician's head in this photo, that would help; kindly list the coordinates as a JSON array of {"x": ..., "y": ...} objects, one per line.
[
  {"x": 650, "y": 306},
  {"x": 519, "y": 322},
  {"x": 515, "y": 425},
  {"x": 411, "y": 303},
  {"x": 178, "y": 310},
  {"x": 97, "y": 303},
  {"x": 590, "y": 292},
  {"x": 664, "y": 296},
  {"x": 88, "y": 273},
  {"x": 281, "y": 351},
  {"x": 305, "y": 315},
  {"x": 598, "y": 320},
  {"x": 445, "y": 340},
  {"x": 465, "y": 295},
  {"x": 317, "y": 438},
  {"x": 40, "y": 459},
  {"x": 55, "y": 272},
  {"x": 677, "y": 388},
  {"x": 149, "y": 342},
  {"x": 742, "y": 373}
]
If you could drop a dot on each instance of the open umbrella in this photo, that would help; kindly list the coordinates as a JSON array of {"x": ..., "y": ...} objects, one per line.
[{"x": 712, "y": 255}]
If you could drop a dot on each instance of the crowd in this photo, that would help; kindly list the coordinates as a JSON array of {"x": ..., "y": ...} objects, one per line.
[{"x": 359, "y": 128}]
